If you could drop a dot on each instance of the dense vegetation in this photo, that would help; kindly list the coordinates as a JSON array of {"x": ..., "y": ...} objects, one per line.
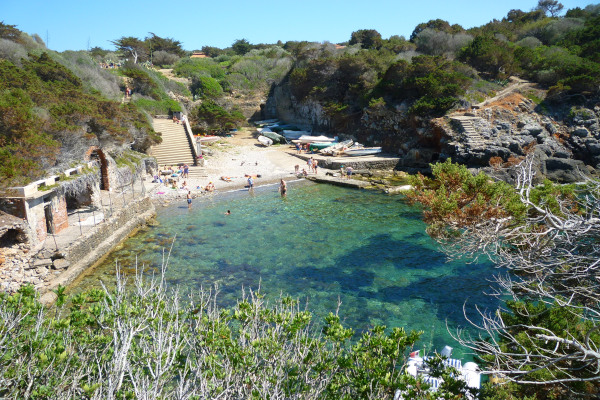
[
  {"x": 545, "y": 337},
  {"x": 144, "y": 341},
  {"x": 44, "y": 105},
  {"x": 443, "y": 66}
]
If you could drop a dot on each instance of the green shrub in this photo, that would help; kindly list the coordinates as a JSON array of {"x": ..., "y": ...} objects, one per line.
[
  {"x": 140, "y": 81},
  {"x": 190, "y": 67},
  {"x": 207, "y": 87},
  {"x": 214, "y": 117},
  {"x": 490, "y": 55},
  {"x": 42, "y": 103},
  {"x": 143, "y": 341},
  {"x": 159, "y": 107}
]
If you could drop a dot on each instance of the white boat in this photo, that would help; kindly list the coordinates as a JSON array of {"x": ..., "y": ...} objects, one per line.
[
  {"x": 312, "y": 139},
  {"x": 265, "y": 141},
  {"x": 419, "y": 367},
  {"x": 294, "y": 134},
  {"x": 266, "y": 122},
  {"x": 365, "y": 151},
  {"x": 337, "y": 147},
  {"x": 208, "y": 139}
]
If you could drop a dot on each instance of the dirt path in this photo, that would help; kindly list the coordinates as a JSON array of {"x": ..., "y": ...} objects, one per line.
[
  {"x": 516, "y": 85},
  {"x": 168, "y": 73}
]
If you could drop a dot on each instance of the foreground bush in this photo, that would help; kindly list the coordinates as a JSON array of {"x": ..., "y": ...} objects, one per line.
[{"x": 145, "y": 341}]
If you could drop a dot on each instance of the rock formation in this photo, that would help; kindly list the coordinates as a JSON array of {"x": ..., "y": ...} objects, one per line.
[{"x": 499, "y": 131}]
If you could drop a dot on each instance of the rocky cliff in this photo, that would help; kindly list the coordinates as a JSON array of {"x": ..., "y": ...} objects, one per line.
[{"x": 499, "y": 131}]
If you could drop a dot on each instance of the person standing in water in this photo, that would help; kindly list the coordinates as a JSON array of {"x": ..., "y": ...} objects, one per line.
[
  {"x": 189, "y": 199},
  {"x": 283, "y": 188},
  {"x": 250, "y": 183}
]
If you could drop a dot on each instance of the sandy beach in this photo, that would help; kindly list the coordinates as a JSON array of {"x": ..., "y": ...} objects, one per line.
[{"x": 235, "y": 157}]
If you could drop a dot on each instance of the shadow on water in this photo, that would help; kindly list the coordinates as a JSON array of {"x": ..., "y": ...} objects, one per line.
[{"x": 424, "y": 273}]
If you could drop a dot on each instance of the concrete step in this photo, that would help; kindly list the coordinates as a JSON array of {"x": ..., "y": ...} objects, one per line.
[
  {"x": 178, "y": 153},
  {"x": 170, "y": 154},
  {"x": 175, "y": 147},
  {"x": 174, "y": 161}
]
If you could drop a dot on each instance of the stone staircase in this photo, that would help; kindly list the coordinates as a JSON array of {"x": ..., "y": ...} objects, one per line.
[
  {"x": 197, "y": 172},
  {"x": 175, "y": 148},
  {"x": 472, "y": 138}
]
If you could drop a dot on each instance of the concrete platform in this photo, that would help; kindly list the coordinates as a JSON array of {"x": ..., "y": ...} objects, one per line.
[
  {"x": 378, "y": 161},
  {"x": 333, "y": 180}
]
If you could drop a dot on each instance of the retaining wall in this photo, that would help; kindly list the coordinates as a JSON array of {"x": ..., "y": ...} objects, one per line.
[{"x": 86, "y": 250}]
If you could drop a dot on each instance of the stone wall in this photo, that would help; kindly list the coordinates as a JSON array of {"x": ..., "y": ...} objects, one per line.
[
  {"x": 89, "y": 248},
  {"x": 59, "y": 214}
]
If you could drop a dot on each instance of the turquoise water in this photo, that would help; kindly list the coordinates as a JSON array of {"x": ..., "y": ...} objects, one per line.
[{"x": 320, "y": 244}]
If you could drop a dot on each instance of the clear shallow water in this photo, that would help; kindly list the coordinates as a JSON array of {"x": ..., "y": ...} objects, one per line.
[{"x": 320, "y": 244}]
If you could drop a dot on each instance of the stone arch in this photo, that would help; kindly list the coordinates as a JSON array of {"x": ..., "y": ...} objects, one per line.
[
  {"x": 13, "y": 231},
  {"x": 95, "y": 153}
]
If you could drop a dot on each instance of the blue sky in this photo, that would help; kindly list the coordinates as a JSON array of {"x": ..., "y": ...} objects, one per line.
[{"x": 75, "y": 25}]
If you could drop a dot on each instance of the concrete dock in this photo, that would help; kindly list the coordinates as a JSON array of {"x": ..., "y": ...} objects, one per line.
[
  {"x": 377, "y": 161},
  {"x": 338, "y": 181}
]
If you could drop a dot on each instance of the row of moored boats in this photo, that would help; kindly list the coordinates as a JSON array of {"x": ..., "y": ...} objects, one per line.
[{"x": 273, "y": 132}]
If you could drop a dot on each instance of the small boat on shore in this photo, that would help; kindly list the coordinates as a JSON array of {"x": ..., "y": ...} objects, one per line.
[
  {"x": 313, "y": 139},
  {"x": 294, "y": 134},
  {"x": 265, "y": 141},
  {"x": 279, "y": 128},
  {"x": 266, "y": 122},
  {"x": 365, "y": 151},
  {"x": 275, "y": 137},
  {"x": 320, "y": 145},
  {"x": 337, "y": 147}
]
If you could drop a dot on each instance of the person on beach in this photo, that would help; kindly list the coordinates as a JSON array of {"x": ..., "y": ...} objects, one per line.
[
  {"x": 315, "y": 166},
  {"x": 298, "y": 150},
  {"x": 349, "y": 173},
  {"x": 310, "y": 164},
  {"x": 189, "y": 199},
  {"x": 296, "y": 169},
  {"x": 210, "y": 187},
  {"x": 304, "y": 173},
  {"x": 186, "y": 171},
  {"x": 342, "y": 172},
  {"x": 175, "y": 120},
  {"x": 250, "y": 183},
  {"x": 282, "y": 188}
]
